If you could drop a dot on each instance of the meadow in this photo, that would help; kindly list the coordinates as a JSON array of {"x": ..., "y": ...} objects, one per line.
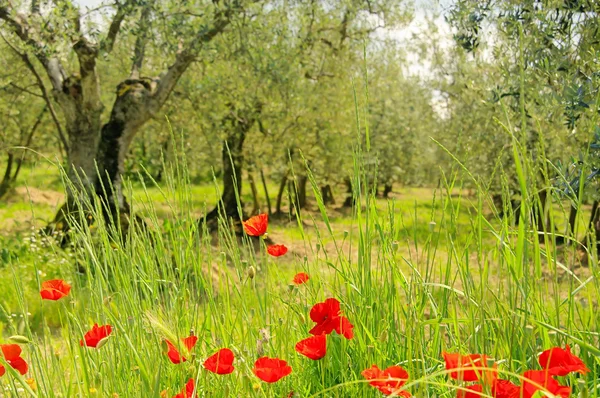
[{"x": 426, "y": 272}]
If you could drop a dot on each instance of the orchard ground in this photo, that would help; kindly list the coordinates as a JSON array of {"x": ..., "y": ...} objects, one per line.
[{"x": 425, "y": 271}]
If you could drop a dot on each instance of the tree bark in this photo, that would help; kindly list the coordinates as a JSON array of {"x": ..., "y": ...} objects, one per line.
[
  {"x": 255, "y": 202},
  {"x": 266, "y": 190},
  {"x": 6, "y": 182},
  {"x": 349, "y": 201},
  {"x": 594, "y": 227},
  {"x": 387, "y": 189},
  {"x": 327, "y": 195},
  {"x": 280, "y": 193},
  {"x": 237, "y": 124}
]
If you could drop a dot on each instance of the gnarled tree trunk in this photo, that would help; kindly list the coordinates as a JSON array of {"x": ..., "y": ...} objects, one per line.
[{"x": 237, "y": 124}]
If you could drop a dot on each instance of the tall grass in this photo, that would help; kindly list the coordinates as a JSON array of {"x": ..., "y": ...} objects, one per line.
[{"x": 415, "y": 280}]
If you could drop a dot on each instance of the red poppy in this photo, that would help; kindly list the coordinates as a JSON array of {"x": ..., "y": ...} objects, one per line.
[
  {"x": 221, "y": 362},
  {"x": 277, "y": 250},
  {"x": 541, "y": 380},
  {"x": 12, "y": 355},
  {"x": 54, "y": 289},
  {"x": 328, "y": 317},
  {"x": 301, "y": 278},
  {"x": 560, "y": 362},
  {"x": 388, "y": 381},
  {"x": 468, "y": 367},
  {"x": 500, "y": 389},
  {"x": 257, "y": 225},
  {"x": 506, "y": 389},
  {"x": 314, "y": 347},
  {"x": 474, "y": 391},
  {"x": 188, "y": 390},
  {"x": 95, "y": 336},
  {"x": 271, "y": 369},
  {"x": 174, "y": 354}
]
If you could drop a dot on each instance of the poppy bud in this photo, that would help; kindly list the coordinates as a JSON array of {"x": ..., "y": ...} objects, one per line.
[
  {"x": 318, "y": 247},
  {"x": 291, "y": 287},
  {"x": 251, "y": 272},
  {"x": 19, "y": 339},
  {"x": 102, "y": 342},
  {"x": 345, "y": 234}
]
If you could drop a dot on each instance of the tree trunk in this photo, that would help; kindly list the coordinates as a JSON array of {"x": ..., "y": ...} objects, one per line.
[
  {"x": 349, "y": 201},
  {"x": 327, "y": 195},
  {"x": 297, "y": 194},
  {"x": 280, "y": 193},
  {"x": 387, "y": 189},
  {"x": 594, "y": 226},
  {"x": 255, "y": 202},
  {"x": 237, "y": 124},
  {"x": 264, "y": 184},
  {"x": 6, "y": 182}
]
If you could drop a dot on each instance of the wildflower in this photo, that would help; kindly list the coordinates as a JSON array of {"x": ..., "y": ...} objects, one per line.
[
  {"x": 541, "y": 380},
  {"x": 328, "y": 317},
  {"x": 174, "y": 354},
  {"x": 54, "y": 289},
  {"x": 500, "y": 389},
  {"x": 301, "y": 278},
  {"x": 277, "y": 250},
  {"x": 96, "y": 337},
  {"x": 221, "y": 362},
  {"x": 560, "y": 362},
  {"x": 31, "y": 383},
  {"x": 257, "y": 225},
  {"x": 188, "y": 390},
  {"x": 12, "y": 356},
  {"x": 271, "y": 370},
  {"x": 388, "y": 381},
  {"x": 469, "y": 367},
  {"x": 314, "y": 347}
]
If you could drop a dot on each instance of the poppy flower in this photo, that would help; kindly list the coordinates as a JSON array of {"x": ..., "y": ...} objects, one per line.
[
  {"x": 12, "y": 356},
  {"x": 301, "y": 278},
  {"x": 54, "y": 289},
  {"x": 474, "y": 391},
  {"x": 468, "y": 367},
  {"x": 174, "y": 354},
  {"x": 188, "y": 390},
  {"x": 96, "y": 336},
  {"x": 505, "y": 389},
  {"x": 257, "y": 225},
  {"x": 314, "y": 347},
  {"x": 271, "y": 370},
  {"x": 560, "y": 362},
  {"x": 541, "y": 380},
  {"x": 221, "y": 362},
  {"x": 500, "y": 389},
  {"x": 277, "y": 250},
  {"x": 388, "y": 381},
  {"x": 328, "y": 317}
]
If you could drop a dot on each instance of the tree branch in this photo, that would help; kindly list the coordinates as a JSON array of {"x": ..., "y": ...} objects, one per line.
[
  {"x": 140, "y": 42},
  {"x": 42, "y": 86},
  {"x": 185, "y": 57},
  {"x": 106, "y": 45},
  {"x": 25, "y": 90},
  {"x": 19, "y": 26}
]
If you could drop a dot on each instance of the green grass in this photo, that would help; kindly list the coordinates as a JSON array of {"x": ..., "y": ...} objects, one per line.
[{"x": 423, "y": 273}]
